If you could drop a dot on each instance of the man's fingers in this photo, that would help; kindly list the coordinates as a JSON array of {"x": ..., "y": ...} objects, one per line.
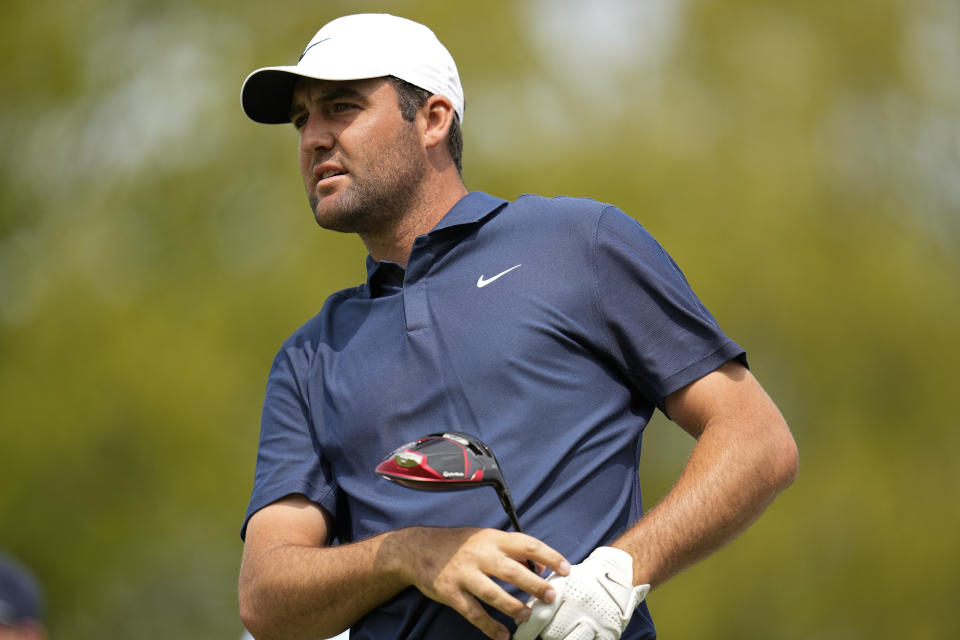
[
  {"x": 457, "y": 567},
  {"x": 520, "y": 575},
  {"x": 503, "y": 555},
  {"x": 545, "y": 557},
  {"x": 539, "y": 615},
  {"x": 467, "y": 606},
  {"x": 523, "y": 549},
  {"x": 488, "y": 591},
  {"x": 531, "y": 628}
]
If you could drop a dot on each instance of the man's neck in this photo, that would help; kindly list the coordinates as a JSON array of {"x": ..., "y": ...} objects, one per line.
[{"x": 394, "y": 244}]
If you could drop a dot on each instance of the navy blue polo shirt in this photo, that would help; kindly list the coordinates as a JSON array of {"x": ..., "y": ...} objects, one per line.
[{"x": 549, "y": 328}]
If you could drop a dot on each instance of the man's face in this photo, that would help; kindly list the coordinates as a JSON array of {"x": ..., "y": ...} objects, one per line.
[{"x": 361, "y": 162}]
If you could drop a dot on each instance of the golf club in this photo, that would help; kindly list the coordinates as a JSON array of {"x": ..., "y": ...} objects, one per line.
[{"x": 449, "y": 461}]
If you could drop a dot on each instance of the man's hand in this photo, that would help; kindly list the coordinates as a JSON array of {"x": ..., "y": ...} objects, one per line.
[
  {"x": 594, "y": 602},
  {"x": 456, "y": 567}
]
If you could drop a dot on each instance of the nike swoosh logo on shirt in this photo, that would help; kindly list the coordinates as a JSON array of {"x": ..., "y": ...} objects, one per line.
[{"x": 482, "y": 282}]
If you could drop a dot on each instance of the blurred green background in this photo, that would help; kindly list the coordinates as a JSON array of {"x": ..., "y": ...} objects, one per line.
[{"x": 799, "y": 159}]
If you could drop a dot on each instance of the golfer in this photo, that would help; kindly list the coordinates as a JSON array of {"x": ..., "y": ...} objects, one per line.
[{"x": 549, "y": 328}]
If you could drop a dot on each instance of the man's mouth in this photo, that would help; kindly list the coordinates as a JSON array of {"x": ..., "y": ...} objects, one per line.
[{"x": 327, "y": 170}]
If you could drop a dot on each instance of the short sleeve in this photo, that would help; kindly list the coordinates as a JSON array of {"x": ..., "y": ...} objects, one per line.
[
  {"x": 656, "y": 328},
  {"x": 289, "y": 460}
]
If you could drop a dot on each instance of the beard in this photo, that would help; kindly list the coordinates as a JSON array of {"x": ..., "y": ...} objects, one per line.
[{"x": 380, "y": 198}]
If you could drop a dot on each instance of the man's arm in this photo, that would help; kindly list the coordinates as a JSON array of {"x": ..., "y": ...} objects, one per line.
[
  {"x": 292, "y": 585},
  {"x": 744, "y": 456}
]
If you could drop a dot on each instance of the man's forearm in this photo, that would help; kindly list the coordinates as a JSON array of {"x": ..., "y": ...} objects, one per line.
[
  {"x": 731, "y": 477},
  {"x": 302, "y": 591},
  {"x": 735, "y": 470},
  {"x": 293, "y": 591}
]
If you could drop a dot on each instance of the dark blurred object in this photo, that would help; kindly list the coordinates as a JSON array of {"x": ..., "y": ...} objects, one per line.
[{"x": 21, "y": 601}]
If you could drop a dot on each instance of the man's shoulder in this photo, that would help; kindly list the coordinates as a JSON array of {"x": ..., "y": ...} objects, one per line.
[
  {"x": 553, "y": 215},
  {"x": 569, "y": 212},
  {"x": 566, "y": 217},
  {"x": 559, "y": 205},
  {"x": 317, "y": 330}
]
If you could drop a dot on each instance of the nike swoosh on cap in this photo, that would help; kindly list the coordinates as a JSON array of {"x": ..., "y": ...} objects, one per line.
[{"x": 311, "y": 47}]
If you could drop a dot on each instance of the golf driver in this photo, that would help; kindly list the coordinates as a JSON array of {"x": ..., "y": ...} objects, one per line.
[{"x": 449, "y": 461}]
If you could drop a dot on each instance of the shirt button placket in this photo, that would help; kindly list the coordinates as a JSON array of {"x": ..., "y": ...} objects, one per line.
[{"x": 415, "y": 286}]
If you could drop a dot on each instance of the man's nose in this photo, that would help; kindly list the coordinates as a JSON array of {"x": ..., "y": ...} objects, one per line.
[{"x": 316, "y": 134}]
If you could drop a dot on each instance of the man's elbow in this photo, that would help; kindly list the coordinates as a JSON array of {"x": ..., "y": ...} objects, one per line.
[
  {"x": 255, "y": 609},
  {"x": 250, "y": 612},
  {"x": 784, "y": 458}
]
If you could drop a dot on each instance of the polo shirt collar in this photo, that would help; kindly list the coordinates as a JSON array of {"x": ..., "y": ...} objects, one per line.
[
  {"x": 387, "y": 277},
  {"x": 473, "y": 207},
  {"x": 383, "y": 278}
]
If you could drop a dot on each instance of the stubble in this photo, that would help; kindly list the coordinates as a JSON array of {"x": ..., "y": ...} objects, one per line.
[{"x": 379, "y": 199}]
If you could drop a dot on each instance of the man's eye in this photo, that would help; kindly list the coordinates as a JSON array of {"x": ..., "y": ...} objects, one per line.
[
  {"x": 299, "y": 122},
  {"x": 340, "y": 107}
]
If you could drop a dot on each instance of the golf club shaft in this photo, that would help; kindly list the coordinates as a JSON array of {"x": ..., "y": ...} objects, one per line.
[{"x": 507, "y": 503}]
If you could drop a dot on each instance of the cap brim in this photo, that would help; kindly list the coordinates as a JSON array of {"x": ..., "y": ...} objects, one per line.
[{"x": 266, "y": 94}]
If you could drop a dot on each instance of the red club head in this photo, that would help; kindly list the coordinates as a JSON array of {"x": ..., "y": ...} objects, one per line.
[
  {"x": 442, "y": 462},
  {"x": 446, "y": 462}
]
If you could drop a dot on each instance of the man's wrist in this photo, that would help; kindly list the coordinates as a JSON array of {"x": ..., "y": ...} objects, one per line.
[
  {"x": 642, "y": 573},
  {"x": 396, "y": 555}
]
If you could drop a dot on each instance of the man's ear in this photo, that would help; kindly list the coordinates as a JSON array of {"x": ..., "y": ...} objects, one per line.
[{"x": 437, "y": 116}]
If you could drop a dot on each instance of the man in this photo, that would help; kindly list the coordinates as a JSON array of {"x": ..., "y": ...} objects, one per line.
[{"x": 549, "y": 328}]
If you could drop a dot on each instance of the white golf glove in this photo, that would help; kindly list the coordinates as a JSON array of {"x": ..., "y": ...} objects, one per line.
[{"x": 594, "y": 602}]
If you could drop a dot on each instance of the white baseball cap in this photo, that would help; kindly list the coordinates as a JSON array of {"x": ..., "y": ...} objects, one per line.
[{"x": 356, "y": 47}]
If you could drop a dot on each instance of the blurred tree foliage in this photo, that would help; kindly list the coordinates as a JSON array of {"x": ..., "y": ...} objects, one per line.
[{"x": 798, "y": 159}]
